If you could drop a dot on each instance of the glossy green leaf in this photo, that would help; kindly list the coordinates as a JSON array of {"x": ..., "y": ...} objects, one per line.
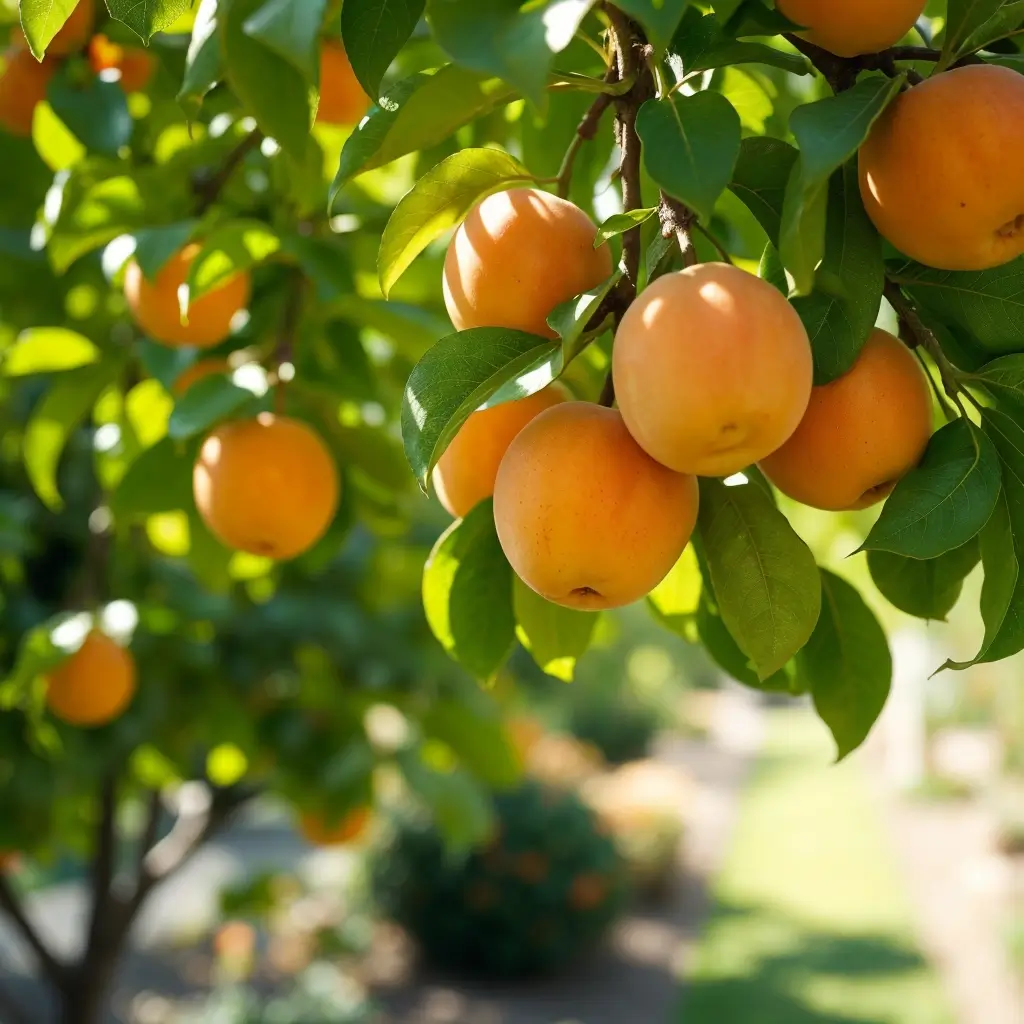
[
  {"x": 676, "y": 598},
  {"x": 760, "y": 177},
  {"x": 690, "y": 147},
  {"x": 1004, "y": 22},
  {"x": 557, "y": 637},
  {"x": 945, "y": 501},
  {"x": 620, "y": 223},
  {"x": 701, "y": 44},
  {"x": 291, "y": 29},
  {"x": 96, "y": 112},
  {"x": 440, "y": 201},
  {"x": 454, "y": 379},
  {"x": 47, "y": 350},
  {"x": 417, "y": 113},
  {"x": 1003, "y": 379},
  {"x": 658, "y": 18},
  {"x": 155, "y": 246},
  {"x": 926, "y": 588},
  {"x": 41, "y": 20},
  {"x": 764, "y": 576},
  {"x": 571, "y": 321},
  {"x": 233, "y": 247},
  {"x": 467, "y": 594},
  {"x": 205, "y": 404},
  {"x": 828, "y": 133},
  {"x": 204, "y": 66},
  {"x": 770, "y": 269},
  {"x": 159, "y": 480},
  {"x": 963, "y": 19},
  {"x": 144, "y": 17},
  {"x": 846, "y": 664},
  {"x": 374, "y": 31}
]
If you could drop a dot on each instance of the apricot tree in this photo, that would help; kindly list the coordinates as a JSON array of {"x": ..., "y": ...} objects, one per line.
[{"x": 676, "y": 239}]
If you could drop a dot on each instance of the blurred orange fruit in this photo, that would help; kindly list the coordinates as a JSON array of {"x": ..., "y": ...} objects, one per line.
[{"x": 94, "y": 685}]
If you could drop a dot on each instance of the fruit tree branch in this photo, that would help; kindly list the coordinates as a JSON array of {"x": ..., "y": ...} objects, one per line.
[
  {"x": 585, "y": 131},
  {"x": 54, "y": 970},
  {"x": 104, "y": 862},
  {"x": 679, "y": 220},
  {"x": 208, "y": 191}
]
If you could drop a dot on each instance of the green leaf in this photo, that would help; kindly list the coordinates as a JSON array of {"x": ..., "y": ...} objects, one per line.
[
  {"x": 620, "y": 223},
  {"x": 770, "y": 269},
  {"x": 658, "y": 18},
  {"x": 459, "y": 806},
  {"x": 841, "y": 311},
  {"x": 759, "y": 180},
  {"x": 476, "y": 734},
  {"x": 764, "y": 577},
  {"x": 155, "y": 246},
  {"x": 63, "y": 408},
  {"x": 205, "y": 404},
  {"x": 144, "y": 17},
  {"x": 204, "y": 66},
  {"x": 846, "y": 664},
  {"x": 235, "y": 246},
  {"x": 1005, "y": 21},
  {"x": 963, "y": 19},
  {"x": 96, "y": 112},
  {"x": 676, "y": 598},
  {"x": 987, "y": 304},
  {"x": 467, "y": 594},
  {"x": 37, "y": 655},
  {"x": 416, "y": 114},
  {"x": 505, "y": 38},
  {"x": 1003, "y": 379},
  {"x": 374, "y": 31},
  {"x": 926, "y": 588},
  {"x": 438, "y": 202},
  {"x": 557, "y": 637},
  {"x": 159, "y": 480},
  {"x": 454, "y": 379},
  {"x": 690, "y": 147},
  {"x": 570, "y": 321},
  {"x": 701, "y": 45},
  {"x": 272, "y": 89},
  {"x": 47, "y": 350},
  {"x": 291, "y": 29},
  {"x": 41, "y": 20},
  {"x": 945, "y": 501},
  {"x": 828, "y": 133}
]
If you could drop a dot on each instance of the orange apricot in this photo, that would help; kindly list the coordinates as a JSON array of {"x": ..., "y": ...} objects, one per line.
[
  {"x": 862, "y": 432},
  {"x": 852, "y": 27},
  {"x": 518, "y": 255},
  {"x": 94, "y": 685},
  {"x": 712, "y": 369},
  {"x": 135, "y": 65},
  {"x": 156, "y": 307},
  {"x": 23, "y": 84},
  {"x": 465, "y": 474},
  {"x": 586, "y": 518},
  {"x": 342, "y": 100},
  {"x": 268, "y": 486},
  {"x": 199, "y": 371},
  {"x": 319, "y": 831},
  {"x": 75, "y": 32},
  {"x": 938, "y": 170}
]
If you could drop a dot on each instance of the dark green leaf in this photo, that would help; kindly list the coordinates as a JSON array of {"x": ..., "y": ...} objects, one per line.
[
  {"x": 557, "y": 637},
  {"x": 771, "y": 269},
  {"x": 570, "y": 321},
  {"x": 159, "y": 480},
  {"x": 828, "y": 133},
  {"x": 96, "y": 112},
  {"x": 144, "y": 17},
  {"x": 467, "y": 594},
  {"x": 455, "y": 378},
  {"x": 373, "y": 32},
  {"x": 47, "y": 350},
  {"x": 926, "y": 588},
  {"x": 203, "y": 63},
  {"x": 701, "y": 45},
  {"x": 841, "y": 311},
  {"x": 1006, "y": 21},
  {"x": 438, "y": 202},
  {"x": 41, "y": 20},
  {"x": 1003, "y": 379},
  {"x": 205, "y": 404},
  {"x": 476, "y": 734},
  {"x": 658, "y": 18},
  {"x": 846, "y": 664},
  {"x": 620, "y": 223},
  {"x": 155, "y": 246},
  {"x": 417, "y": 113},
  {"x": 764, "y": 576},
  {"x": 945, "y": 501},
  {"x": 963, "y": 19},
  {"x": 759, "y": 180},
  {"x": 291, "y": 29},
  {"x": 690, "y": 147}
]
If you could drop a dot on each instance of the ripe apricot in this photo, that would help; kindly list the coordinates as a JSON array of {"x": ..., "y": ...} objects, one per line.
[
  {"x": 342, "y": 100},
  {"x": 318, "y": 831},
  {"x": 75, "y": 32},
  {"x": 267, "y": 485},
  {"x": 135, "y": 65},
  {"x": 862, "y": 432},
  {"x": 587, "y": 518},
  {"x": 712, "y": 369},
  {"x": 938, "y": 170},
  {"x": 156, "y": 308},
  {"x": 199, "y": 371},
  {"x": 518, "y": 255},
  {"x": 465, "y": 474},
  {"x": 22, "y": 85},
  {"x": 852, "y": 27},
  {"x": 94, "y": 685}
]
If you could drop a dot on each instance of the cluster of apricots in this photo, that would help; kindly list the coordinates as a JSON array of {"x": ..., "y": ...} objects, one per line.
[{"x": 713, "y": 373}]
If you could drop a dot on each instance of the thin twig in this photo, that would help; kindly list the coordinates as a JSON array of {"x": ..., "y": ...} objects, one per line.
[
  {"x": 607, "y": 398},
  {"x": 585, "y": 131},
  {"x": 285, "y": 349},
  {"x": 713, "y": 239},
  {"x": 207, "y": 192},
  {"x": 54, "y": 969}
]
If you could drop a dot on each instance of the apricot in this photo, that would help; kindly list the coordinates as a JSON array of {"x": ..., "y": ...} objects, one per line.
[
  {"x": 849, "y": 28},
  {"x": 23, "y": 84},
  {"x": 156, "y": 308},
  {"x": 319, "y": 831},
  {"x": 134, "y": 64},
  {"x": 94, "y": 685},
  {"x": 342, "y": 100},
  {"x": 465, "y": 474},
  {"x": 268, "y": 486},
  {"x": 518, "y": 255},
  {"x": 862, "y": 432},
  {"x": 199, "y": 371},
  {"x": 75, "y": 32},
  {"x": 712, "y": 369},
  {"x": 938, "y": 170},
  {"x": 586, "y": 518}
]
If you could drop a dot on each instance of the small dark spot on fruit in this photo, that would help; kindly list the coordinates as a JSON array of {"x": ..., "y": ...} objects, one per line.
[
  {"x": 963, "y": 206},
  {"x": 585, "y": 592}
]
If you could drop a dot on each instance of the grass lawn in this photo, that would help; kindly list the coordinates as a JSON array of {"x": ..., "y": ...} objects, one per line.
[{"x": 811, "y": 923}]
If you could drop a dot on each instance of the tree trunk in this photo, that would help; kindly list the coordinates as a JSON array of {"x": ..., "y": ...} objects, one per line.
[{"x": 85, "y": 999}]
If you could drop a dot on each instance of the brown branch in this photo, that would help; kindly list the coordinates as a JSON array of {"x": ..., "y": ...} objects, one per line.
[
  {"x": 208, "y": 191},
  {"x": 104, "y": 862},
  {"x": 585, "y": 131},
  {"x": 678, "y": 219},
  {"x": 149, "y": 830},
  {"x": 54, "y": 969}
]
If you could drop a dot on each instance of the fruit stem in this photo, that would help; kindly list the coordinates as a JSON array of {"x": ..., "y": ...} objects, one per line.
[
  {"x": 947, "y": 410},
  {"x": 585, "y": 131}
]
